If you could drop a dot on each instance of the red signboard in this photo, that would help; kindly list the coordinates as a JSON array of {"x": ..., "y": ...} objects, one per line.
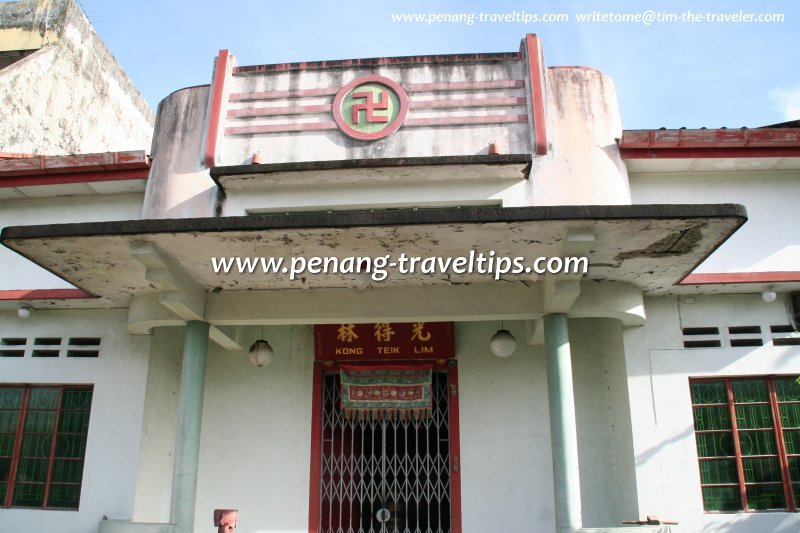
[{"x": 384, "y": 341}]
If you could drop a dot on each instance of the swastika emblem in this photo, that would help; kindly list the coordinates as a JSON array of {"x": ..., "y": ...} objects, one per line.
[{"x": 370, "y": 108}]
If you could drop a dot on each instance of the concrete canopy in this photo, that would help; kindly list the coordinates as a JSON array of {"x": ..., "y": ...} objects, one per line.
[{"x": 648, "y": 246}]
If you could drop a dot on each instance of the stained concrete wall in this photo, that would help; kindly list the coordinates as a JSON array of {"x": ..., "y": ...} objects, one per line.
[
  {"x": 659, "y": 369},
  {"x": 118, "y": 375},
  {"x": 70, "y": 96},
  {"x": 255, "y": 444}
]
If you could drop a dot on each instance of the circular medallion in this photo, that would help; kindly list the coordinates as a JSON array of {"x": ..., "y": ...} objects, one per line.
[{"x": 370, "y": 108}]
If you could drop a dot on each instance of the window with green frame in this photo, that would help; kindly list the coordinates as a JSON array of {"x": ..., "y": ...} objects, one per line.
[
  {"x": 43, "y": 431},
  {"x": 748, "y": 442}
]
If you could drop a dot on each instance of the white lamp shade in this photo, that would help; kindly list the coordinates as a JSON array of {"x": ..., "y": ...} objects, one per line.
[
  {"x": 503, "y": 343},
  {"x": 261, "y": 353}
]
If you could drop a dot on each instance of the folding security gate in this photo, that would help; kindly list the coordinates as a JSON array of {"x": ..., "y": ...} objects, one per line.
[{"x": 387, "y": 476}]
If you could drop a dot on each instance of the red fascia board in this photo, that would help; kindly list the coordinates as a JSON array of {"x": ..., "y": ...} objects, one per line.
[
  {"x": 715, "y": 138},
  {"x": 44, "y": 294},
  {"x": 81, "y": 163},
  {"x": 378, "y": 61},
  {"x": 707, "y": 153},
  {"x": 536, "y": 76},
  {"x": 723, "y": 278},
  {"x": 72, "y": 177}
]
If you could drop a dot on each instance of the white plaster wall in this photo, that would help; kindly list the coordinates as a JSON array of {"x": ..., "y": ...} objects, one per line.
[
  {"x": 767, "y": 242},
  {"x": 658, "y": 372},
  {"x": 118, "y": 376},
  {"x": 16, "y": 272}
]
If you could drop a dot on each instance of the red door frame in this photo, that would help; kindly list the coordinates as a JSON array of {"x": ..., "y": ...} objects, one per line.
[{"x": 320, "y": 369}]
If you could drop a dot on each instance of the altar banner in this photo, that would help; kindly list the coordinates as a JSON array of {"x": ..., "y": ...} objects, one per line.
[{"x": 386, "y": 392}]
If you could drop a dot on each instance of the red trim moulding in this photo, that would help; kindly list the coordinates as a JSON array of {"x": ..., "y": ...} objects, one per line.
[
  {"x": 535, "y": 72},
  {"x": 708, "y": 153},
  {"x": 75, "y": 177},
  {"x": 44, "y": 294},
  {"x": 741, "y": 277},
  {"x": 215, "y": 112}
]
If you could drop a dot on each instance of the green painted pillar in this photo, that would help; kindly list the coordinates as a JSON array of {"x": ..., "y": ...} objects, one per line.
[
  {"x": 563, "y": 430},
  {"x": 190, "y": 415}
]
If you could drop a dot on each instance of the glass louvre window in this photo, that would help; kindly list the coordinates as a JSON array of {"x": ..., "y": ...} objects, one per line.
[
  {"x": 748, "y": 443},
  {"x": 43, "y": 431}
]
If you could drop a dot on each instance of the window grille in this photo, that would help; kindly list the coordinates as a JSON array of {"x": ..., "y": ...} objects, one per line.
[
  {"x": 43, "y": 433},
  {"x": 747, "y": 433}
]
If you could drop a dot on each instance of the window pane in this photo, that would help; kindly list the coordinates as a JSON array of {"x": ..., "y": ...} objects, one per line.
[
  {"x": 721, "y": 499},
  {"x": 71, "y": 446},
  {"x": 64, "y": 496},
  {"x": 41, "y": 398},
  {"x": 761, "y": 470},
  {"x": 9, "y": 421},
  {"x": 794, "y": 470},
  {"x": 792, "y": 440},
  {"x": 790, "y": 415},
  {"x": 750, "y": 391},
  {"x": 5, "y": 470},
  {"x": 763, "y": 497},
  {"x": 718, "y": 471},
  {"x": 6, "y": 444},
  {"x": 706, "y": 418},
  {"x": 36, "y": 445},
  {"x": 77, "y": 399},
  {"x": 32, "y": 470},
  {"x": 715, "y": 444},
  {"x": 67, "y": 471},
  {"x": 787, "y": 390},
  {"x": 757, "y": 442},
  {"x": 10, "y": 398},
  {"x": 3, "y": 488},
  {"x": 709, "y": 392},
  {"x": 796, "y": 489},
  {"x": 73, "y": 422},
  {"x": 28, "y": 495},
  {"x": 40, "y": 421},
  {"x": 753, "y": 416}
]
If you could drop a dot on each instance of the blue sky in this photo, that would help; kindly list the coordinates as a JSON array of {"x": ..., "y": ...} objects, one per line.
[{"x": 675, "y": 74}]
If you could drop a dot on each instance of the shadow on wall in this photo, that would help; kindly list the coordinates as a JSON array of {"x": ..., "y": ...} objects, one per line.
[{"x": 648, "y": 454}]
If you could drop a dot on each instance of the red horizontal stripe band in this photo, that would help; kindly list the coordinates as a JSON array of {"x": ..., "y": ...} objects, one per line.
[
  {"x": 741, "y": 277},
  {"x": 270, "y": 111},
  {"x": 411, "y": 122},
  {"x": 44, "y": 294},
  {"x": 271, "y": 95},
  {"x": 467, "y": 102},
  {"x": 465, "y": 85},
  {"x": 457, "y": 121}
]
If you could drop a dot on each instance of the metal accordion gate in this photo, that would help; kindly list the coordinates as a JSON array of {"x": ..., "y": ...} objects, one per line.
[{"x": 379, "y": 476}]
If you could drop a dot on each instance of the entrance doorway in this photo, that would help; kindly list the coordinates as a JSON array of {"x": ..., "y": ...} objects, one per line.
[{"x": 385, "y": 476}]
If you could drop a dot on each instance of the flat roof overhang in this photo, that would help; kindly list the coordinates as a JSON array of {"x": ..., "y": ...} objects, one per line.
[
  {"x": 650, "y": 246},
  {"x": 356, "y": 171}
]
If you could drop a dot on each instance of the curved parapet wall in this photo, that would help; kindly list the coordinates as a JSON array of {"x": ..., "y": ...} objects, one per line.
[
  {"x": 583, "y": 165},
  {"x": 179, "y": 185}
]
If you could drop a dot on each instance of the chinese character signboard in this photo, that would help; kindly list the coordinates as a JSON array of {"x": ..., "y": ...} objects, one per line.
[{"x": 384, "y": 341}]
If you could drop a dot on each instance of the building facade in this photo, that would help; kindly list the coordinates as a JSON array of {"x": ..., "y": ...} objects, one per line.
[{"x": 659, "y": 382}]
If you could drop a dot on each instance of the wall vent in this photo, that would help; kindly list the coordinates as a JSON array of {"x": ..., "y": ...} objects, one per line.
[
  {"x": 739, "y": 336},
  {"x": 784, "y": 335},
  {"x": 50, "y": 347},
  {"x": 701, "y": 338}
]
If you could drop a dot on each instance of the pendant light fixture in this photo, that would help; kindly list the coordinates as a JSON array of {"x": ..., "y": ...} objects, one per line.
[
  {"x": 503, "y": 342},
  {"x": 261, "y": 352}
]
